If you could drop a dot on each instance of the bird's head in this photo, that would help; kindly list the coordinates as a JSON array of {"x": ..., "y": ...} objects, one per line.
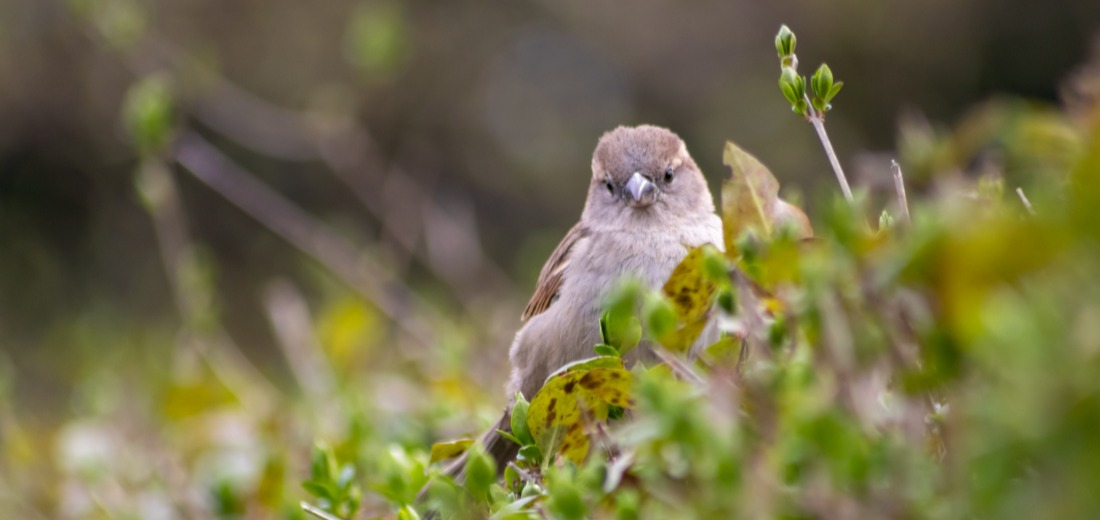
[{"x": 644, "y": 172}]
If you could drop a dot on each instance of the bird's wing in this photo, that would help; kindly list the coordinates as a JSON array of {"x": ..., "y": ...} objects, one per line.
[{"x": 553, "y": 273}]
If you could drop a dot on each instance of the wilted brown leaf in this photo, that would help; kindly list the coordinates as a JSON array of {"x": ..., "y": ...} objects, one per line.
[{"x": 750, "y": 200}]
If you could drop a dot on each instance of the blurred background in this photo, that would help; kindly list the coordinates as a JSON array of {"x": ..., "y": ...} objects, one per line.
[{"x": 229, "y": 228}]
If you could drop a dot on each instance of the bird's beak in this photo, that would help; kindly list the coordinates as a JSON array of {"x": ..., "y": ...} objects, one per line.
[{"x": 640, "y": 191}]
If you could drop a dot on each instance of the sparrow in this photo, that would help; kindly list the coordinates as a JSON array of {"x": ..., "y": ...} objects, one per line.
[{"x": 648, "y": 205}]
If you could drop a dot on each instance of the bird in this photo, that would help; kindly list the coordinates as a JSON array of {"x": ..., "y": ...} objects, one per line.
[{"x": 647, "y": 206}]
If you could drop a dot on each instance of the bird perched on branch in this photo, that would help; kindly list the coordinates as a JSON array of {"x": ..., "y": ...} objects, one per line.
[{"x": 648, "y": 205}]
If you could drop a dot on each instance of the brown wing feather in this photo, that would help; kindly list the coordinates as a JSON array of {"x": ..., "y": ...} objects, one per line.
[{"x": 553, "y": 273}]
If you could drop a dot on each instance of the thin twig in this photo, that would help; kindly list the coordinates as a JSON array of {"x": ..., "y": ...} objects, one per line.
[
  {"x": 677, "y": 366},
  {"x": 214, "y": 347},
  {"x": 524, "y": 474},
  {"x": 347, "y": 150},
  {"x": 369, "y": 278},
  {"x": 293, "y": 326},
  {"x": 817, "y": 119},
  {"x": 1023, "y": 198},
  {"x": 899, "y": 186},
  {"x": 819, "y": 125},
  {"x": 318, "y": 512}
]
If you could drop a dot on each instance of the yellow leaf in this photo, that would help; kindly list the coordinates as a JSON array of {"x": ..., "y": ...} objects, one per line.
[
  {"x": 346, "y": 329},
  {"x": 691, "y": 292},
  {"x": 555, "y": 415},
  {"x": 449, "y": 449},
  {"x": 725, "y": 351},
  {"x": 748, "y": 197}
]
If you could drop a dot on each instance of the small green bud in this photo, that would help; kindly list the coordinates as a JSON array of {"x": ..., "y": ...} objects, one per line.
[
  {"x": 885, "y": 221},
  {"x": 800, "y": 108},
  {"x": 785, "y": 41},
  {"x": 148, "y": 113},
  {"x": 792, "y": 85},
  {"x": 822, "y": 82},
  {"x": 819, "y": 105}
]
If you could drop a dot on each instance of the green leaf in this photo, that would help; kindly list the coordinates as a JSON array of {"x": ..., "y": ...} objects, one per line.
[
  {"x": 605, "y": 336},
  {"x": 519, "y": 421},
  {"x": 565, "y": 500},
  {"x": 788, "y": 91},
  {"x": 833, "y": 91},
  {"x": 619, "y": 325},
  {"x": 532, "y": 453},
  {"x": 481, "y": 472},
  {"x": 660, "y": 317},
  {"x": 715, "y": 265},
  {"x": 322, "y": 463},
  {"x": 449, "y": 449},
  {"x": 510, "y": 437},
  {"x": 606, "y": 350},
  {"x": 319, "y": 489},
  {"x": 725, "y": 350}
]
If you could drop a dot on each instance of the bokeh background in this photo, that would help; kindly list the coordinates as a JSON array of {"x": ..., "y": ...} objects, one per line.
[{"x": 352, "y": 200}]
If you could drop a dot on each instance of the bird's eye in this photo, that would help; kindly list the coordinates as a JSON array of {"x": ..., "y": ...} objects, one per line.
[
  {"x": 610, "y": 186},
  {"x": 668, "y": 174}
]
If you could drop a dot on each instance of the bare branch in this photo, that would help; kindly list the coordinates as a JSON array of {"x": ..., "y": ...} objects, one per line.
[
  {"x": 346, "y": 148},
  {"x": 368, "y": 277},
  {"x": 215, "y": 346}
]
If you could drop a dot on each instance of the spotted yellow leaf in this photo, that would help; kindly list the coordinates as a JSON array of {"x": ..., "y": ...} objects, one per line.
[
  {"x": 690, "y": 291},
  {"x": 555, "y": 415}
]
